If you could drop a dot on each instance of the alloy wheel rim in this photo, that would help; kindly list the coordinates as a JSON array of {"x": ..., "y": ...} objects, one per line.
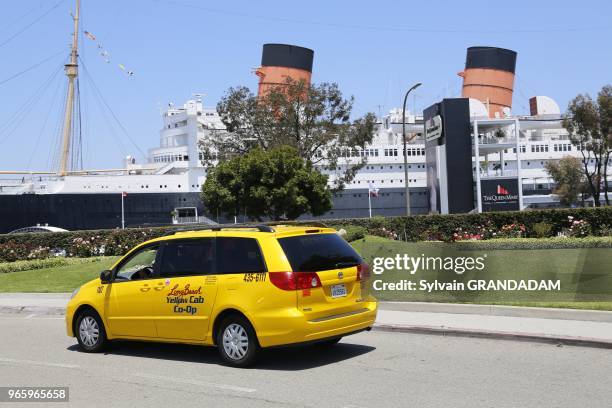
[
  {"x": 89, "y": 331},
  {"x": 235, "y": 341}
]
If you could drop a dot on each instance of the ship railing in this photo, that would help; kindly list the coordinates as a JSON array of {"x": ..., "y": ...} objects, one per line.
[
  {"x": 493, "y": 174},
  {"x": 192, "y": 220}
]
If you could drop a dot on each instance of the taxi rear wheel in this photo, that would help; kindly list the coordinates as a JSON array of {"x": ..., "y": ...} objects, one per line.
[
  {"x": 237, "y": 342},
  {"x": 90, "y": 332}
]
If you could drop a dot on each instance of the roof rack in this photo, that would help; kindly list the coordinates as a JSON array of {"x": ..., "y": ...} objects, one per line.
[
  {"x": 219, "y": 227},
  {"x": 299, "y": 223}
]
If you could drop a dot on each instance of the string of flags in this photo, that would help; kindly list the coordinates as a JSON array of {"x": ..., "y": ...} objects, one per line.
[{"x": 104, "y": 54}]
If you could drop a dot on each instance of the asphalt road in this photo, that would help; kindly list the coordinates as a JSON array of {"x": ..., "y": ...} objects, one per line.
[{"x": 375, "y": 369}]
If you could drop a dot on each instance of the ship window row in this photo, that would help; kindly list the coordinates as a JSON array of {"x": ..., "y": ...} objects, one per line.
[
  {"x": 390, "y": 152},
  {"x": 416, "y": 151},
  {"x": 353, "y": 153},
  {"x": 418, "y": 166},
  {"x": 208, "y": 156},
  {"x": 371, "y": 152},
  {"x": 522, "y": 148},
  {"x": 562, "y": 147},
  {"x": 539, "y": 148},
  {"x": 356, "y": 195},
  {"x": 383, "y": 181},
  {"x": 169, "y": 158}
]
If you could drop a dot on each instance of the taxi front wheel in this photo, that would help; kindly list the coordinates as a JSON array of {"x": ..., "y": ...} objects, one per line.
[
  {"x": 237, "y": 342},
  {"x": 90, "y": 332}
]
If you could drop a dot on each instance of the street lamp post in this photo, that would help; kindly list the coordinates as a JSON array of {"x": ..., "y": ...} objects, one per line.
[{"x": 406, "y": 189}]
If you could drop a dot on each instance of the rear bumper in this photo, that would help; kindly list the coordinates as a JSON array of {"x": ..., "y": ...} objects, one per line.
[{"x": 297, "y": 329}]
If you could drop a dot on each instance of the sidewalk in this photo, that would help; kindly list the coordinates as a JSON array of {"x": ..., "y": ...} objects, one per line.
[{"x": 559, "y": 326}]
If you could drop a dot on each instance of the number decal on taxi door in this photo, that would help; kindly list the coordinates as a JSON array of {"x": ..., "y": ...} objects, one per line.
[{"x": 254, "y": 277}]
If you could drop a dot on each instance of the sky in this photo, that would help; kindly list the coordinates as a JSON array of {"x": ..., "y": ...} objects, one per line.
[{"x": 374, "y": 50}]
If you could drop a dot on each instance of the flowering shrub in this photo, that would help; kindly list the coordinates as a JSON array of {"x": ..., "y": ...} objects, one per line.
[
  {"x": 118, "y": 243},
  {"x": 84, "y": 247},
  {"x": 39, "y": 253},
  {"x": 513, "y": 230},
  {"x": 577, "y": 228},
  {"x": 385, "y": 233},
  {"x": 475, "y": 233},
  {"x": 13, "y": 251}
]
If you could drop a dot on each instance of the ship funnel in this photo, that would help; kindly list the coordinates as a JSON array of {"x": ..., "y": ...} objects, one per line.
[
  {"x": 489, "y": 77},
  {"x": 281, "y": 61}
]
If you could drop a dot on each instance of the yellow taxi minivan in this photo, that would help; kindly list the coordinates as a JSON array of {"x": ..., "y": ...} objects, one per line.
[{"x": 239, "y": 288}]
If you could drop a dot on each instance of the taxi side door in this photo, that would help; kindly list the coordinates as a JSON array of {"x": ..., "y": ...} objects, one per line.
[
  {"x": 185, "y": 289},
  {"x": 128, "y": 310}
]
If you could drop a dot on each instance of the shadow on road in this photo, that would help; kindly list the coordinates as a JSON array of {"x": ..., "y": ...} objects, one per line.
[{"x": 284, "y": 359}]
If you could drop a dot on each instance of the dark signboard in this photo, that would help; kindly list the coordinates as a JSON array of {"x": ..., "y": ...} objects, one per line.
[
  {"x": 448, "y": 156},
  {"x": 499, "y": 195}
]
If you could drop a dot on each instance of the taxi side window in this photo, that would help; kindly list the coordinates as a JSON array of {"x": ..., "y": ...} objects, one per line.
[
  {"x": 239, "y": 255},
  {"x": 139, "y": 266},
  {"x": 187, "y": 258}
]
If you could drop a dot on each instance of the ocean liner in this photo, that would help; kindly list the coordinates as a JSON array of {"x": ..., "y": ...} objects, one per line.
[{"x": 165, "y": 189}]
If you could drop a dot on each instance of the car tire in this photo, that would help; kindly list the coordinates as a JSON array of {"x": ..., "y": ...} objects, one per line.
[
  {"x": 237, "y": 342},
  {"x": 329, "y": 343},
  {"x": 89, "y": 331}
]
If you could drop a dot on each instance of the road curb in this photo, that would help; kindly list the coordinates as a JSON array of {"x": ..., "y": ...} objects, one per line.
[
  {"x": 433, "y": 330},
  {"x": 487, "y": 334},
  {"x": 499, "y": 310}
]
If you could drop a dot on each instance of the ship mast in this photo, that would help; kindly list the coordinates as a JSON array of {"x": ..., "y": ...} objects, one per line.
[{"x": 71, "y": 70}]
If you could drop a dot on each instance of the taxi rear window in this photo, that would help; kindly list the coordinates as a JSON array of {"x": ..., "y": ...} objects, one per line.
[{"x": 319, "y": 252}]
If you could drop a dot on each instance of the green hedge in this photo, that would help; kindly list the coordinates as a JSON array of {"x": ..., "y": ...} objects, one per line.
[
  {"x": 535, "y": 243},
  {"x": 33, "y": 264},
  {"x": 15, "y": 247},
  {"x": 442, "y": 227}
]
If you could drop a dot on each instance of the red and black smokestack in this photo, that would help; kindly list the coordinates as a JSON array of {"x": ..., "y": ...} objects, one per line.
[
  {"x": 489, "y": 77},
  {"x": 282, "y": 61}
]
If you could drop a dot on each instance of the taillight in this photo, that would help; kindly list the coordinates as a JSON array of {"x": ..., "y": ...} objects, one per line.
[
  {"x": 295, "y": 280},
  {"x": 363, "y": 271}
]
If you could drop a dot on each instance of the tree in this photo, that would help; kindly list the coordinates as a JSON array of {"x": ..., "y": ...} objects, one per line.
[
  {"x": 568, "y": 177},
  {"x": 589, "y": 125},
  {"x": 275, "y": 184},
  {"x": 313, "y": 119}
]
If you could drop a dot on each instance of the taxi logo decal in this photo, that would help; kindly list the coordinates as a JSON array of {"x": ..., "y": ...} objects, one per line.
[
  {"x": 175, "y": 291},
  {"x": 187, "y": 296}
]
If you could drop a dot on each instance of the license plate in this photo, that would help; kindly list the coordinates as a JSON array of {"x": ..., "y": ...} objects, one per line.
[{"x": 338, "y": 291}]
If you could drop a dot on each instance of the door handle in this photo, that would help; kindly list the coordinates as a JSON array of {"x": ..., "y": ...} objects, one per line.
[{"x": 145, "y": 288}]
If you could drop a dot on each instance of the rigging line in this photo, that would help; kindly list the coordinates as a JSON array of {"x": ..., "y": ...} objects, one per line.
[
  {"x": 107, "y": 119},
  {"x": 80, "y": 151},
  {"x": 11, "y": 120},
  {"x": 8, "y": 40},
  {"x": 110, "y": 126},
  {"x": 44, "y": 125},
  {"x": 15, "y": 120},
  {"x": 382, "y": 28},
  {"x": 54, "y": 152},
  {"x": 31, "y": 67},
  {"x": 24, "y": 15},
  {"x": 111, "y": 111}
]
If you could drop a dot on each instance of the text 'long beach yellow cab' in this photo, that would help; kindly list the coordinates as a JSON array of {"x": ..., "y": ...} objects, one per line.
[{"x": 240, "y": 288}]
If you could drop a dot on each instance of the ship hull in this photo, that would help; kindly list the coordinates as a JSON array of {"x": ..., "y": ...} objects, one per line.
[
  {"x": 103, "y": 211},
  {"x": 91, "y": 211}
]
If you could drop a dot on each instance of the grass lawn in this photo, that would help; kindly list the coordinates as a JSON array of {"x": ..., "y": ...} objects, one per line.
[
  {"x": 585, "y": 273},
  {"x": 54, "y": 279}
]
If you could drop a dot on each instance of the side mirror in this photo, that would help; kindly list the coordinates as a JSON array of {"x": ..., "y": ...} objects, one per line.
[{"x": 106, "y": 276}]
